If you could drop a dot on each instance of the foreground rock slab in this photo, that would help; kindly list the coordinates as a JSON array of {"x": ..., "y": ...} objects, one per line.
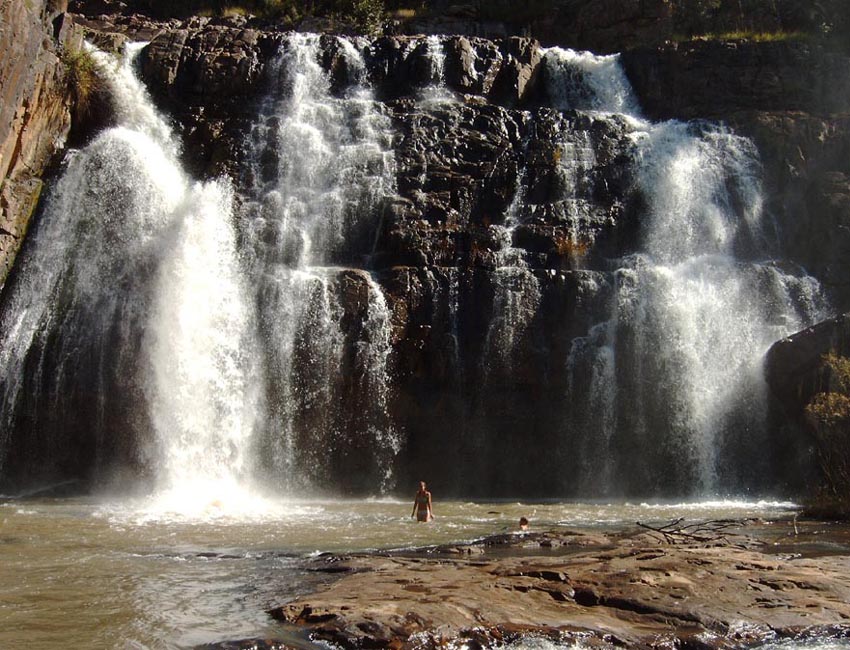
[{"x": 630, "y": 590}]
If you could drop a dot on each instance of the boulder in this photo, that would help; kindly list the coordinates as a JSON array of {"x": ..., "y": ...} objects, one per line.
[
  {"x": 631, "y": 590},
  {"x": 794, "y": 367}
]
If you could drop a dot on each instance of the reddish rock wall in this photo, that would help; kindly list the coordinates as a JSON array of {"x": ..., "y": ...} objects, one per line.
[{"x": 35, "y": 113}]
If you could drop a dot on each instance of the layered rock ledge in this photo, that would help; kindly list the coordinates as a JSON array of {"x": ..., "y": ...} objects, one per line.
[
  {"x": 788, "y": 96},
  {"x": 627, "y": 589}
]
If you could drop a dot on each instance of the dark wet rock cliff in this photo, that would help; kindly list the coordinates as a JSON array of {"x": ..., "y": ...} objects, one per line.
[
  {"x": 797, "y": 370},
  {"x": 481, "y": 344},
  {"x": 459, "y": 167},
  {"x": 789, "y": 96}
]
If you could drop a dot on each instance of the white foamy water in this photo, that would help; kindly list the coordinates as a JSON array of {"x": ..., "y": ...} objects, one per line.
[
  {"x": 133, "y": 107},
  {"x": 313, "y": 220},
  {"x": 588, "y": 82},
  {"x": 694, "y": 310},
  {"x": 204, "y": 388},
  {"x": 708, "y": 306},
  {"x": 333, "y": 160},
  {"x": 435, "y": 92},
  {"x": 135, "y": 264}
]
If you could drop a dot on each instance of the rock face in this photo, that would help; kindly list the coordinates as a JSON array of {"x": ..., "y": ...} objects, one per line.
[
  {"x": 795, "y": 372},
  {"x": 794, "y": 367},
  {"x": 632, "y": 591},
  {"x": 35, "y": 110},
  {"x": 188, "y": 66},
  {"x": 716, "y": 79},
  {"x": 461, "y": 167},
  {"x": 789, "y": 96},
  {"x": 618, "y": 25},
  {"x": 507, "y": 313}
]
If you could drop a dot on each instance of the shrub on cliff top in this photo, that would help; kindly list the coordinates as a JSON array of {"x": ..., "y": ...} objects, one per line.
[
  {"x": 367, "y": 15},
  {"x": 774, "y": 19},
  {"x": 744, "y": 35},
  {"x": 829, "y": 414},
  {"x": 82, "y": 77}
]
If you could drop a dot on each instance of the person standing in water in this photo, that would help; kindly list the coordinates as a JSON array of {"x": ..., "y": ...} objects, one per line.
[{"x": 422, "y": 504}]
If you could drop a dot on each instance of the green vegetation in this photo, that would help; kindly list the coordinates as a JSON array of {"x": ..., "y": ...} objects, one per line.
[
  {"x": 82, "y": 77},
  {"x": 761, "y": 20},
  {"x": 745, "y": 35},
  {"x": 366, "y": 15},
  {"x": 829, "y": 412},
  {"x": 369, "y": 15}
]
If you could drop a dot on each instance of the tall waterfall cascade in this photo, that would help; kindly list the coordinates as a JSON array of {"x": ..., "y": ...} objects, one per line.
[
  {"x": 202, "y": 339},
  {"x": 322, "y": 166},
  {"x": 692, "y": 313},
  {"x": 129, "y": 313}
]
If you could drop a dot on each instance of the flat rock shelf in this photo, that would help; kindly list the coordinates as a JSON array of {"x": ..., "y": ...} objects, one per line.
[{"x": 750, "y": 583}]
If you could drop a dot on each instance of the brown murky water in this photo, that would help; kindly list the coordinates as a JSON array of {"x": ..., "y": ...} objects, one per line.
[{"x": 143, "y": 574}]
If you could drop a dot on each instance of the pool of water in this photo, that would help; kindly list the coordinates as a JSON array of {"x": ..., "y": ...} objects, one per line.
[{"x": 153, "y": 573}]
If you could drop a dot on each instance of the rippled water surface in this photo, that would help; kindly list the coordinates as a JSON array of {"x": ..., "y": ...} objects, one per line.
[{"x": 156, "y": 574}]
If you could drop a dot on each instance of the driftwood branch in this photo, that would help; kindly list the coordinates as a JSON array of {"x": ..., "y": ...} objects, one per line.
[{"x": 714, "y": 531}]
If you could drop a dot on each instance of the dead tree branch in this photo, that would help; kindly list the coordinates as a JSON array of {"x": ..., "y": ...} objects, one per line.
[{"x": 711, "y": 532}]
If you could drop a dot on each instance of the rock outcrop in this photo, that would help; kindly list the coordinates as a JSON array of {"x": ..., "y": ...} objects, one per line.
[
  {"x": 794, "y": 365},
  {"x": 35, "y": 109},
  {"x": 796, "y": 371},
  {"x": 629, "y": 590}
]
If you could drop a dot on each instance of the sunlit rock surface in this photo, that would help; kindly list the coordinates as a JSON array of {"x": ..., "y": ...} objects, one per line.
[
  {"x": 35, "y": 110},
  {"x": 629, "y": 590}
]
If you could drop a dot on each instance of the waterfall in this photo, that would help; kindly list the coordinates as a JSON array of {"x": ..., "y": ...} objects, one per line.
[
  {"x": 204, "y": 389},
  {"x": 516, "y": 295},
  {"x": 435, "y": 92},
  {"x": 675, "y": 370},
  {"x": 587, "y": 82},
  {"x": 321, "y": 163},
  {"x": 321, "y": 166},
  {"x": 611, "y": 286},
  {"x": 136, "y": 321},
  {"x": 126, "y": 317}
]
